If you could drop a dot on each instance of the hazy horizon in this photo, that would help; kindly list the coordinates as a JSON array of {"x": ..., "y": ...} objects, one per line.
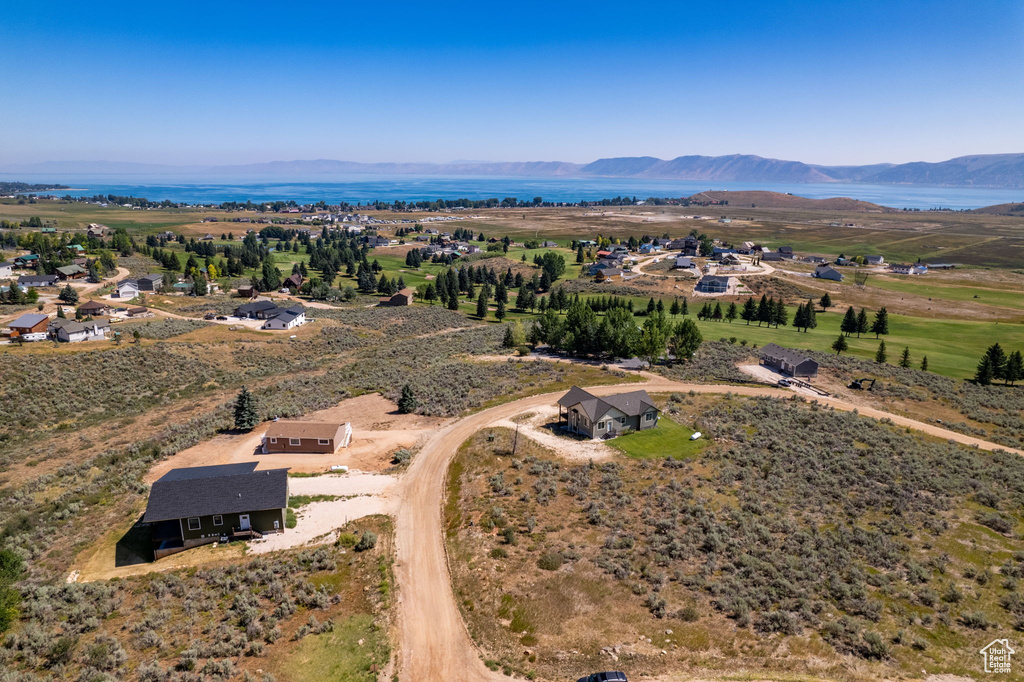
[{"x": 851, "y": 84}]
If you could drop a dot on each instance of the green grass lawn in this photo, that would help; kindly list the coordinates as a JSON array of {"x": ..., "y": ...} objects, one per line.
[
  {"x": 667, "y": 439},
  {"x": 337, "y": 655},
  {"x": 919, "y": 285}
]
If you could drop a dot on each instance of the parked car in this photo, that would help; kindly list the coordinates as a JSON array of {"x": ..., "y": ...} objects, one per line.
[
  {"x": 610, "y": 676},
  {"x": 222, "y": 317},
  {"x": 784, "y": 382}
]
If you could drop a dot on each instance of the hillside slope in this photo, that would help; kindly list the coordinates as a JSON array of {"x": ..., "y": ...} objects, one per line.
[{"x": 762, "y": 199}]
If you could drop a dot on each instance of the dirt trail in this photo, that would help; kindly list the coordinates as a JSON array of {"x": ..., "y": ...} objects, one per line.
[{"x": 434, "y": 641}]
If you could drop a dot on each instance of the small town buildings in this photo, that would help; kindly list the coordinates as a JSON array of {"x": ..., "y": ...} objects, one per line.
[
  {"x": 713, "y": 284},
  {"x": 403, "y": 297},
  {"x": 684, "y": 262},
  {"x": 828, "y": 272},
  {"x": 71, "y": 272},
  {"x": 549, "y": 245},
  {"x": 374, "y": 242},
  {"x": 292, "y": 281},
  {"x": 306, "y": 437},
  {"x": 201, "y": 505},
  {"x": 6, "y": 269},
  {"x": 30, "y": 327},
  {"x": 786, "y": 251},
  {"x": 247, "y": 292},
  {"x": 71, "y": 331},
  {"x": 26, "y": 261},
  {"x": 650, "y": 248},
  {"x": 788, "y": 361},
  {"x": 127, "y": 289},
  {"x": 607, "y": 417},
  {"x": 874, "y": 260},
  {"x": 91, "y": 308},
  {"x": 908, "y": 268},
  {"x": 139, "y": 311},
  {"x": 286, "y": 319},
  {"x": 37, "y": 281},
  {"x": 96, "y": 230},
  {"x": 151, "y": 282},
  {"x": 730, "y": 259}
]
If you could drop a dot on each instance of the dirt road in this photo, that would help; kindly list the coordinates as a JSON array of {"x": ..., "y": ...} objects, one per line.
[{"x": 435, "y": 643}]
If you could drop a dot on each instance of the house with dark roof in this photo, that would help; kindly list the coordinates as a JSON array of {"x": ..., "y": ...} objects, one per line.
[
  {"x": 71, "y": 272},
  {"x": 306, "y": 437},
  {"x": 713, "y": 284},
  {"x": 285, "y": 319},
  {"x": 37, "y": 281},
  {"x": 293, "y": 281},
  {"x": 828, "y": 272},
  {"x": 30, "y": 327},
  {"x": 606, "y": 417},
  {"x": 874, "y": 260},
  {"x": 151, "y": 282},
  {"x": 257, "y": 310},
  {"x": 684, "y": 262},
  {"x": 90, "y": 308},
  {"x": 200, "y": 505},
  {"x": 788, "y": 361}
]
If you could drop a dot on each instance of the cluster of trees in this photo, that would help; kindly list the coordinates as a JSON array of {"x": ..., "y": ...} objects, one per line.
[
  {"x": 997, "y": 365},
  {"x": 616, "y": 334},
  {"x": 857, "y": 322},
  {"x": 134, "y": 202},
  {"x": 767, "y": 311}
]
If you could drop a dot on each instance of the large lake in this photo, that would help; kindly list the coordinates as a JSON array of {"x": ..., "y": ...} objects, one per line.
[{"x": 354, "y": 189}]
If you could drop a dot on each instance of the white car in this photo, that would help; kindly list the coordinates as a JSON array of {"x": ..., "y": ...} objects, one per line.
[{"x": 695, "y": 435}]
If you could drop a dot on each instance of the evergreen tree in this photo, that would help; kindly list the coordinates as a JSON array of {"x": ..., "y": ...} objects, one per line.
[
  {"x": 840, "y": 344},
  {"x": 68, "y": 295},
  {"x": 849, "y": 324},
  {"x": 430, "y": 293},
  {"x": 732, "y": 313},
  {"x": 764, "y": 310},
  {"x": 810, "y": 317},
  {"x": 247, "y": 417},
  {"x": 924, "y": 363},
  {"x": 651, "y": 306},
  {"x": 685, "y": 339},
  {"x": 579, "y": 254},
  {"x": 199, "y": 286},
  {"x": 984, "y": 374},
  {"x": 716, "y": 315},
  {"x": 675, "y": 308},
  {"x": 825, "y": 302},
  {"x": 800, "y": 317},
  {"x": 862, "y": 322},
  {"x": 60, "y": 312},
  {"x": 997, "y": 359},
  {"x": 1014, "y": 371},
  {"x": 407, "y": 403},
  {"x": 905, "y": 358},
  {"x": 499, "y": 312},
  {"x": 501, "y": 293},
  {"x": 685, "y": 308},
  {"x": 749, "y": 310},
  {"x": 780, "y": 316},
  {"x": 880, "y": 354},
  {"x": 481, "y": 304},
  {"x": 881, "y": 323}
]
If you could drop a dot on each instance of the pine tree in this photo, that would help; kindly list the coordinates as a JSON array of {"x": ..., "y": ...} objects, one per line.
[
  {"x": 1014, "y": 368},
  {"x": 840, "y": 344},
  {"x": 509, "y": 341},
  {"x": 650, "y": 306},
  {"x": 862, "y": 322},
  {"x": 997, "y": 359},
  {"x": 579, "y": 253},
  {"x": 500, "y": 311},
  {"x": 905, "y": 358},
  {"x": 407, "y": 403},
  {"x": 826, "y": 302},
  {"x": 764, "y": 310},
  {"x": 924, "y": 363},
  {"x": 68, "y": 295},
  {"x": 849, "y": 324},
  {"x": 685, "y": 308},
  {"x": 800, "y": 317},
  {"x": 984, "y": 374},
  {"x": 880, "y": 354},
  {"x": 716, "y": 315},
  {"x": 481, "y": 304},
  {"x": 811, "y": 317},
  {"x": 749, "y": 310},
  {"x": 247, "y": 416},
  {"x": 732, "y": 313},
  {"x": 60, "y": 312},
  {"x": 780, "y": 316},
  {"x": 675, "y": 308},
  {"x": 881, "y": 323}
]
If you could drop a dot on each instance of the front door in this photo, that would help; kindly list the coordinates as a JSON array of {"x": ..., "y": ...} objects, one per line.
[{"x": 243, "y": 521}]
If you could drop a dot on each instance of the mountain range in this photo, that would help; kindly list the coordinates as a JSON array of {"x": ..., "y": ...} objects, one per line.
[{"x": 982, "y": 170}]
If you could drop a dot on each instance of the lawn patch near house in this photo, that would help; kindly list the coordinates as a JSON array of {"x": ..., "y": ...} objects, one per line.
[{"x": 667, "y": 439}]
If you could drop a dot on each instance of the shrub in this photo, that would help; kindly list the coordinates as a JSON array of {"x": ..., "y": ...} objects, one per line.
[
  {"x": 550, "y": 561},
  {"x": 367, "y": 541}
]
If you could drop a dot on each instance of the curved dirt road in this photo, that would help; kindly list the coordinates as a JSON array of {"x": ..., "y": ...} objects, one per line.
[{"x": 434, "y": 641}]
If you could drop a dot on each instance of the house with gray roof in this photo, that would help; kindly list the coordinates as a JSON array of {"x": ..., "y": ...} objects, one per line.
[
  {"x": 788, "y": 361},
  {"x": 29, "y": 327},
  {"x": 828, "y": 272},
  {"x": 151, "y": 282},
  {"x": 606, "y": 417},
  {"x": 713, "y": 284},
  {"x": 200, "y": 505},
  {"x": 37, "y": 281}
]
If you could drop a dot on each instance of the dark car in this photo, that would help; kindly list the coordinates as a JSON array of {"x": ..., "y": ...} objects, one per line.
[{"x": 611, "y": 676}]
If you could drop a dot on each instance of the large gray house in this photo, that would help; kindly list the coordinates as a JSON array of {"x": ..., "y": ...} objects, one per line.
[
  {"x": 609, "y": 416},
  {"x": 788, "y": 361},
  {"x": 199, "y": 505}
]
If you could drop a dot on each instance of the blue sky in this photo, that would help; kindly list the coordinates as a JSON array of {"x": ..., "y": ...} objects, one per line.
[{"x": 235, "y": 82}]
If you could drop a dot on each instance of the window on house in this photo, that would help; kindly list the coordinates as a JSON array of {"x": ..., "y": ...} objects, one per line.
[
  {"x": 273, "y": 440},
  {"x": 622, "y": 420},
  {"x": 324, "y": 441},
  {"x": 294, "y": 441},
  {"x": 649, "y": 416},
  {"x": 600, "y": 425},
  {"x": 194, "y": 524},
  {"x": 218, "y": 520}
]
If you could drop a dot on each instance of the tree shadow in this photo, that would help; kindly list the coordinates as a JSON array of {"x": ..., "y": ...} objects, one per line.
[{"x": 135, "y": 546}]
